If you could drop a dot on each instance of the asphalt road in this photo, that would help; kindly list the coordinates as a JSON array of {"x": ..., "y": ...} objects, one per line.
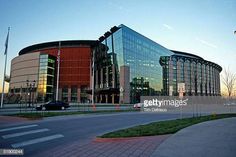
[{"x": 36, "y": 137}]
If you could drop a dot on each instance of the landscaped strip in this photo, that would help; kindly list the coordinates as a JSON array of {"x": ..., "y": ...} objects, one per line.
[
  {"x": 163, "y": 127},
  {"x": 41, "y": 114}
]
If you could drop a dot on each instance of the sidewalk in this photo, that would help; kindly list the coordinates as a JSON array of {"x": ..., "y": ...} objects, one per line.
[
  {"x": 209, "y": 139},
  {"x": 8, "y": 120},
  {"x": 110, "y": 147}
]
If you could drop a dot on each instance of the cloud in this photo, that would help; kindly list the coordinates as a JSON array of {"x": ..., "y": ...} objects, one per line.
[
  {"x": 168, "y": 26},
  {"x": 206, "y": 43}
]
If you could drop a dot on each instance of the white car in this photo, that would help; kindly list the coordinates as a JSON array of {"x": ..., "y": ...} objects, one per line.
[{"x": 138, "y": 105}]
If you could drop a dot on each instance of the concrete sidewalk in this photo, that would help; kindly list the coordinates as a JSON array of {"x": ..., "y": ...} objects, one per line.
[
  {"x": 209, "y": 139},
  {"x": 110, "y": 147},
  {"x": 10, "y": 120}
]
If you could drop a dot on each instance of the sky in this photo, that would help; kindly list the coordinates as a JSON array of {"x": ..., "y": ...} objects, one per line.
[{"x": 202, "y": 27}]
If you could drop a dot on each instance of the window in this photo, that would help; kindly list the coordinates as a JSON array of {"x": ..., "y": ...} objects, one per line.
[{"x": 74, "y": 94}]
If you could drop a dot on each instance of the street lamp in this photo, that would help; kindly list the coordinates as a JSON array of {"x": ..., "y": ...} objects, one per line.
[
  {"x": 27, "y": 83},
  {"x": 30, "y": 88},
  {"x": 33, "y": 85}
]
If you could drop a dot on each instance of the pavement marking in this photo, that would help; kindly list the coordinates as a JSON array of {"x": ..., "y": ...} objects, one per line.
[
  {"x": 19, "y": 127},
  {"x": 24, "y": 133},
  {"x": 37, "y": 140}
]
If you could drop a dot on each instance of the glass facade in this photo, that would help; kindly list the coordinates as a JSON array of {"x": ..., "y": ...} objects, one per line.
[
  {"x": 126, "y": 47},
  {"x": 142, "y": 55},
  {"x": 65, "y": 94},
  {"x": 46, "y": 78},
  {"x": 201, "y": 77},
  {"x": 74, "y": 94}
]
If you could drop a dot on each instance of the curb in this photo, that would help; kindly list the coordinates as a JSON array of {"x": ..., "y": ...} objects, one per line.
[{"x": 120, "y": 139}]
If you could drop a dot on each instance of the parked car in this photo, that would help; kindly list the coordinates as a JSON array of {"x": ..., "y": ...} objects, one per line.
[
  {"x": 53, "y": 105},
  {"x": 138, "y": 105}
]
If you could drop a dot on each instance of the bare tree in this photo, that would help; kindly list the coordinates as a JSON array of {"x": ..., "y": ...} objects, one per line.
[{"x": 229, "y": 80}]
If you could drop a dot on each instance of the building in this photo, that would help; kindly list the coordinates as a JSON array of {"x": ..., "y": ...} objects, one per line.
[
  {"x": 136, "y": 66},
  {"x": 121, "y": 67},
  {"x": 201, "y": 77},
  {"x": 34, "y": 71},
  {"x": 130, "y": 67}
]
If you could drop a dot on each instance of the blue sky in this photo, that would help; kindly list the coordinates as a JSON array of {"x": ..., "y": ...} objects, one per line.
[{"x": 202, "y": 27}]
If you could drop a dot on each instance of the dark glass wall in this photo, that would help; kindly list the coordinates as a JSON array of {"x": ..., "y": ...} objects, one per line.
[
  {"x": 129, "y": 48},
  {"x": 201, "y": 77}
]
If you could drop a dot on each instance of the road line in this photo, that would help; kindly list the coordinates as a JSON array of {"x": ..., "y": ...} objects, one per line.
[
  {"x": 24, "y": 133},
  {"x": 19, "y": 127},
  {"x": 37, "y": 140}
]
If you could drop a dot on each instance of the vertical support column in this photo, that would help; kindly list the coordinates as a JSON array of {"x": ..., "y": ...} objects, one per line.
[
  {"x": 213, "y": 81},
  {"x": 207, "y": 80},
  {"x": 69, "y": 94},
  {"x": 124, "y": 84},
  {"x": 203, "y": 79},
  {"x": 106, "y": 98},
  {"x": 101, "y": 75},
  {"x": 96, "y": 80},
  {"x": 186, "y": 77},
  {"x": 219, "y": 89},
  {"x": 78, "y": 95},
  {"x": 113, "y": 82},
  {"x": 113, "y": 98},
  {"x": 60, "y": 94},
  {"x": 107, "y": 77},
  {"x": 96, "y": 99},
  {"x": 100, "y": 101},
  {"x": 113, "y": 76},
  {"x": 192, "y": 78},
  {"x": 178, "y": 69},
  {"x": 170, "y": 83}
]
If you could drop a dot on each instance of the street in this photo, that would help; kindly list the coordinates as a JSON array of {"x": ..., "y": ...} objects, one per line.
[{"x": 38, "y": 137}]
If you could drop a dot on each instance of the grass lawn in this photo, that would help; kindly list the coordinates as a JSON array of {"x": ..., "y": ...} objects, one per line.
[
  {"x": 41, "y": 114},
  {"x": 163, "y": 127}
]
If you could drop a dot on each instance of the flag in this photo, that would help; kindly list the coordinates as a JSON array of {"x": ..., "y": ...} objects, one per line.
[{"x": 6, "y": 43}]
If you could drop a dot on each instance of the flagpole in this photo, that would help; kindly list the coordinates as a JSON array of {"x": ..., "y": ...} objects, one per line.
[
  {"x": 4, "y": 74},
  {"x": 58, "y": 69}
]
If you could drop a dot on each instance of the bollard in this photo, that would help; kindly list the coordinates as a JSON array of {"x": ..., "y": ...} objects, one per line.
[{"x": 94, "y": 107}]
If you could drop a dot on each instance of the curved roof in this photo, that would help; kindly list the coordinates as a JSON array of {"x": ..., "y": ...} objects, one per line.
[
  {"x": 185, "y": 54},
  {"x": 195, "y": 57},
  {"x": 55, "y": 44}
]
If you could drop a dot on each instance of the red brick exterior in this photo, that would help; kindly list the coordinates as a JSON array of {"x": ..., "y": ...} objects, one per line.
[{"x": 74, "y": 65}]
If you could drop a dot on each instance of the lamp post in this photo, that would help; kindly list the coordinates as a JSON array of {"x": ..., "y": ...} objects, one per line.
[
  {"x": 30, "y": 88},
  {"x": 27, "y": 83},
  {"x": 33, "y": 85}
]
